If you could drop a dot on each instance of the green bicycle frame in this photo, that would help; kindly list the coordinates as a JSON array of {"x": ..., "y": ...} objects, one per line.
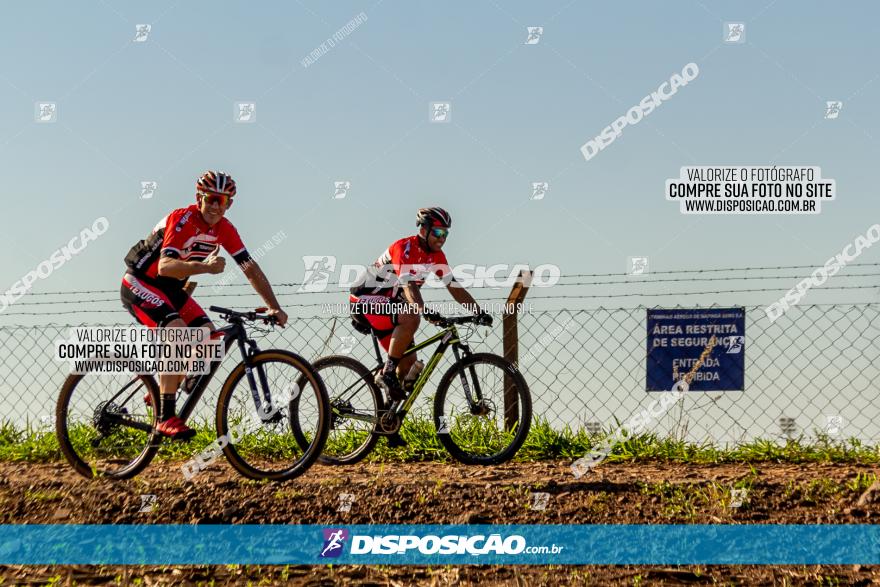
[{"x": 446, "y": 337}]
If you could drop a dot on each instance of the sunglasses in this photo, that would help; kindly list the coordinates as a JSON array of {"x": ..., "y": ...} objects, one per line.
[
  {"x": 223, "y": 200},
  {"x": 440, "y": 232}
]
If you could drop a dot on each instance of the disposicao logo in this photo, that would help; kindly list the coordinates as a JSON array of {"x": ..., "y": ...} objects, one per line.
[{"x": 334, "y": 540}]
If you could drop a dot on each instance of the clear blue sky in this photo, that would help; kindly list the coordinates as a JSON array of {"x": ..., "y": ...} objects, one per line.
[{"x": 163, "y": 110}]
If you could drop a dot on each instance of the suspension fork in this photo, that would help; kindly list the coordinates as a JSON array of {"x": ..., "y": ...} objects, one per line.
[
  {"x": 477, "y": 396},
  {"x": 247, "y": 352}
]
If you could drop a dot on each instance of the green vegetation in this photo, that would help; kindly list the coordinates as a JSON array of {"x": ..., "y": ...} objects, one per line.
[
  {"x": 819, "y": 490},
  {"x": 42, "y": 495},
  {"x": 686, "y": 501},
  {"x": 543, "y": 442},
  {"x": 861, "y": 482}
]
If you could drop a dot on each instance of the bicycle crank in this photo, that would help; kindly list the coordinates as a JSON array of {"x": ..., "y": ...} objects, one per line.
[{"x": 388, "y": 423}]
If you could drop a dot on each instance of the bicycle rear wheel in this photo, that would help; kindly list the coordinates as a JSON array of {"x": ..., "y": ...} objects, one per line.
[
  {"x": 258, "y": 432},
  {"x": 107, "y": 434},
  {"x": 355, "y": 401},
  {"x": 469, "y": 410}
]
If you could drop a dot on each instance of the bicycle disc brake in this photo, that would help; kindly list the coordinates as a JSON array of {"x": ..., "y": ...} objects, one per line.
[
  {"x": 484, "y": 407},
  {"x": 276, "y": 417}
]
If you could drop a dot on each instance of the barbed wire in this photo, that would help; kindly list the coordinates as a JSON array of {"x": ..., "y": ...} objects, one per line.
[
  {"x": 531, "y": 298},
  {"x": 328, "y": 317},
  {"x": 204, "y": 293},
  {"x": 571, "y": 276},
  {"x": 702, "y": 279}
]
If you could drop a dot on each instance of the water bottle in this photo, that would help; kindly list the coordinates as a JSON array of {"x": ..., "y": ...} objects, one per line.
[{"x": 410, "y": 380}]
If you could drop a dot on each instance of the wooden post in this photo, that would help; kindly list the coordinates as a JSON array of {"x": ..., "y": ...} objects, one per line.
[{"x": 510, "y": 339}]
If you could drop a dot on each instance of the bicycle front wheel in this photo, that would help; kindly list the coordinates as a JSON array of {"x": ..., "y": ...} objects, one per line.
[
  {"x": 105, "y": 425},
  {"x": 258, "y": 431},
  {"x": 474, "y": 422}
]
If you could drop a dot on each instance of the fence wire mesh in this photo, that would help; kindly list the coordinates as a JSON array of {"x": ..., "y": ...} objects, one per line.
[{"x": 812, "y": 372}]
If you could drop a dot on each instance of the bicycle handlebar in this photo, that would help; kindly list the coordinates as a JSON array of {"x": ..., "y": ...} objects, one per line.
[{"x": 230, "y": 315}]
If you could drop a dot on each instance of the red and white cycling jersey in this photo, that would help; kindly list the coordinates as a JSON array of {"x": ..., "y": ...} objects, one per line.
[
  {"x": 405, "y": 261},
  {"x": 185, "y": 235}
]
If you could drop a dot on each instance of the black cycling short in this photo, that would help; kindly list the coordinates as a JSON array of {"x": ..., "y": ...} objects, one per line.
[{"x": 153, "y": 305}]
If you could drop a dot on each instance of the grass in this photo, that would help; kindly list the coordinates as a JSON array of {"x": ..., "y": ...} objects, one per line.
[
  {"x": 819, "y": 490},
  {"x": 543, "y": 442},
  {"x": 42, "y": 495},
  {"x": 861, "y": 482},
  {"x": 687, "y": 500}
]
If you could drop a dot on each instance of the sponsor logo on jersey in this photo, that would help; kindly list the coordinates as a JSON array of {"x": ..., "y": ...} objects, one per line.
[
  {"x": 183, "y": 221},
  {"x": 141, "y": 292}
]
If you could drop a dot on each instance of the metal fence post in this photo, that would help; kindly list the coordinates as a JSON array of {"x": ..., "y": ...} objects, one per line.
[{"x": 510, "y": 339}]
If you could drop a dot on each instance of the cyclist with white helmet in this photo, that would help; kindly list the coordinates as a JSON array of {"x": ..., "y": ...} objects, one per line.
[{"x": 183, "y": 244}]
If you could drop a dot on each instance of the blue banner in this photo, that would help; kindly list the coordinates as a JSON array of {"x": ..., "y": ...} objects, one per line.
[
  {"x": 440, "y": 544},
  {"x": 678, "y": 339}
]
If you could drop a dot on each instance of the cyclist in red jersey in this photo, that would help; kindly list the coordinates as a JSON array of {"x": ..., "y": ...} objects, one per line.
[
  {"x": 388, "y": 300},
  {"x": 183, "y": 244}
]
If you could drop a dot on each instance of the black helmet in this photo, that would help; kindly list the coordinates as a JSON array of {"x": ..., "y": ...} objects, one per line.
[{"x": 430, "y": 217}]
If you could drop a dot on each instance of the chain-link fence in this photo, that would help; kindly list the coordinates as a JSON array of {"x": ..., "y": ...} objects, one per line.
[{"x": 813, "y": 371}]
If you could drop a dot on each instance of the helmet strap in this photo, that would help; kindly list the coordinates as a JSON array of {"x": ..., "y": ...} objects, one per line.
[{"x": 423, "y": 240}]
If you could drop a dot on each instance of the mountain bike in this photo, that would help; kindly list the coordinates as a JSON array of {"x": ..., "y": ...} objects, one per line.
[
  {"x": 482, "y": 406},
  {"x": 106, "y": 425}
]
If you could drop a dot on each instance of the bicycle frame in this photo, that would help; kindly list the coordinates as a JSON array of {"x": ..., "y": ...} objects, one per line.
[
  {"x": 232, "y": 333},
  {"x": 446, "y": 337}
]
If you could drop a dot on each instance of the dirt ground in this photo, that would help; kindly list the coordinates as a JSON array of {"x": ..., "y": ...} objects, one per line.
[{"x": 423, "y": 493}]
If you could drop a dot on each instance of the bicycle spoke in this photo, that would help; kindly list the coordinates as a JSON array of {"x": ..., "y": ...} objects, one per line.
[
  {"x": 474, "y": 427},
  {"x": 354, "y": 404},
  {"x": 109, "y": 437},
  {"x": 273, "y": 435}
]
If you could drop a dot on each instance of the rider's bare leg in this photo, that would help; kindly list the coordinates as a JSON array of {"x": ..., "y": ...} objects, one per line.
[{"x": 401, "y": 338}]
